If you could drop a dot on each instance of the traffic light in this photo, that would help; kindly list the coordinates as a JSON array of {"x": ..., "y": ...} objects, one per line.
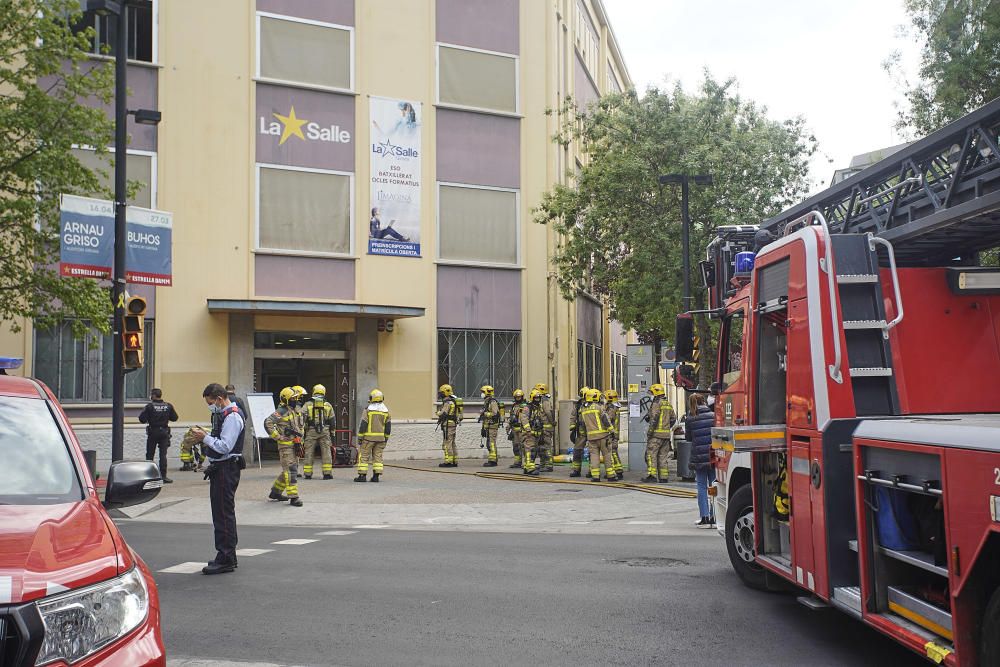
[
  {"x": 132, "y": 332},
  {"x": 684, "y": 376},
  {"x": 684, "y": 338}
]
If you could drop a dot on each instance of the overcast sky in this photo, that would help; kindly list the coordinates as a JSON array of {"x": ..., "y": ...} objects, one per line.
[{"x": 821, "y": 59}]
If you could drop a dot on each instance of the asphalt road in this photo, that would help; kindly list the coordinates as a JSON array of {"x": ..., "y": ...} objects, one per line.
[{"x": 394, "y": 597}]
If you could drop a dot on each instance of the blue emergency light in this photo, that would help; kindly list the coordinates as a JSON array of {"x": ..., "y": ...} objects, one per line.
[
  {"x": 744, "y": 263},
  {"x": 9, "y": 363}
]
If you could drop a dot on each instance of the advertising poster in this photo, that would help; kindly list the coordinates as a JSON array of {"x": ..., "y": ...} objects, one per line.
[{"x": 394, "y": 220}]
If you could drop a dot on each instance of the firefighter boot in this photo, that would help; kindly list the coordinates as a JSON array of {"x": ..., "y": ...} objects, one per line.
[
  {"x": 277, "y": 495},
  {"x": 362, "y": 477},
  {"x": 648, "y": 479},
  {"x": 575, "y": 473},
  {"x": 375, "y": 476},
  {"x": 490, "y": 464},
  {"x": 295, "y": 502},
  {"x": 327, "y": 476}
]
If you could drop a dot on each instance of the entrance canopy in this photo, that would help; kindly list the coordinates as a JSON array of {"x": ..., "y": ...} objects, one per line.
[{"x": 311, "y": 308}]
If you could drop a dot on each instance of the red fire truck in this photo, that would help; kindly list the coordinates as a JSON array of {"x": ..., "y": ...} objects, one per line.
[{"x": 858, "y": 408}]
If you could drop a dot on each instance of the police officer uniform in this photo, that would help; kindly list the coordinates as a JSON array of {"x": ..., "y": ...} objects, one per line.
[
  {"x": 373, "y": 435},
  {"x": 319, "y": 422},
  {"x": 157, "y": 416}
]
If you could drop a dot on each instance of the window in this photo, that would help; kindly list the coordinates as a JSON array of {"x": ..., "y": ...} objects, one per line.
[
  {"x": 732, "y": 360},
  {"x": 590, "y": 365},
  {"x": 304, "y": 210},
  {"x": 141, "y": 28},
  {"x": 468, "y": 359},
  {"x": 613, "y": 85},
  {"x": 587, "y": 41},
  {"x": 478, "y": 224},
  {"x": 139, "y": 166},
  {"x": 308, "y": 52},
  {"x": 618, "y": 382},
  {"x": 477, "y": 79},
  {"x": 79, "y": 370},
  {"x": 42, "y": 474}
]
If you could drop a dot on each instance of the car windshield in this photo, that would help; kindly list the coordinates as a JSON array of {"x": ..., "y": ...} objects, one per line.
[{"x": 35, "y": 463}]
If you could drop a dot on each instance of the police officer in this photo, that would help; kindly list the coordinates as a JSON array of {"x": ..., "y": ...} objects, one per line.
[
  {"x": 514, "y": 428},
  {"x": 612, "y": 408},
  {"x": 547, "y": 442},
  {"x": 490, "y": 419},
  {"x": 448, "y": 418},
  {"x": 233, "y": 398},
  {"x": 157, "y": 416},
  {"x": 225, "y": 454},
  {"x": 594, "y": 425},
  {"x": 373, "y": 435},
  {"x": 575, "y": 434},
  {"x": 319, "y": 422},
  {"x": 282, "y": 426},
  {"x": 661, "y": 418},
  {"x": 531, "y": 431}
]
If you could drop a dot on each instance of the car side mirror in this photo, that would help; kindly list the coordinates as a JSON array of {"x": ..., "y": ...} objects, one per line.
[
  {"x": 132, "y": 483},
  {"x": 715, "y": 389}
]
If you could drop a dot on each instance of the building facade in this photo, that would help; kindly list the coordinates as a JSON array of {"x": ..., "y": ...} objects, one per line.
[{"x": 352, "y": 185}]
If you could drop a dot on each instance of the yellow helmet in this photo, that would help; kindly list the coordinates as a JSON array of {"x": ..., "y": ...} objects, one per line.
[
  {"x": 518, "y": 395},
  {"x": 446, "y": 390},
  {"x": 534, "y": 395},
  {"x": 487, "y": 389},
  {"x": 285, "y": 395},
  {"x": 319, "y": 390},
  {"x": 657, "y": 390},
  {"x": 611, "y": 395},
  {"x": 376, "y": 396},
  {"x": 299, "y": 390},
  {"x": 541, "y": 388},
  {"x": 593, "y": 395},
  {"x": 583, "y": 391}
]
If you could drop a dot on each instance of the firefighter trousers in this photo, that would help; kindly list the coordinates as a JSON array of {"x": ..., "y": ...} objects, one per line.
[
  {"x": 601, "y": 449},
  {"x": 448, "y": 443},
  {"x": 287, "y": 481},
  {"x": 657, "y": 451},
  {"x": 516, "y": 443},
  {"x": 616, "y": 460},
  {"x": 310, "y": 442},
  {"x": 370, "y": 453},
  {"x": 545, "y": 442},
  {"x": 529, "y": 443},
  {"x": 491, "y": 443}
]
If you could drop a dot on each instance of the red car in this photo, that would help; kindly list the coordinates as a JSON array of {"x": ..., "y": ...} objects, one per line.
[{"x": 72, "y": 592}]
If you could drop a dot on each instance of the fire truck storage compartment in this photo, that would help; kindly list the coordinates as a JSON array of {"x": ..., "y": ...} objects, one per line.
[
  {"x": 904, "y": 520},
  {"x": 774, "y": 526}
]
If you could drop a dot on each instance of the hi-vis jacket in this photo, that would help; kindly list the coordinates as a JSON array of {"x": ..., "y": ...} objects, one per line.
[
  {"x": 516, "y": 411},
  {"x": 548, "y": 413},
  {"x": 376, "y": 424},
  {"x": 319, "y": 416},
  {"x": 594, "y": 423},
  {"x": 448, "y": 414},
  {"x": 612, "y": 410},
  {"x": 525, "y": 417},
  {"x": 283, "y": 425},
  {"x": 490, "y": 416},
  {"x": 661, "y": 418}
]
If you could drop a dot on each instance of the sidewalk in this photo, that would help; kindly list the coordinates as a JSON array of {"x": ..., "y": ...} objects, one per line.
[{"x": 431, "y": 498}]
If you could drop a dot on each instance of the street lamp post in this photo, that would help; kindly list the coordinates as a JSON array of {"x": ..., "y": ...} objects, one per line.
[{"x": 684, "y": 180}]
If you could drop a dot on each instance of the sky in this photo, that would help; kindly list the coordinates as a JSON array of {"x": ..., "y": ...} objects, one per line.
[{"x": 821, "y": 59}]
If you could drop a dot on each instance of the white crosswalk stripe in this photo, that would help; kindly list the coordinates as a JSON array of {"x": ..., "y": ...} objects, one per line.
[
  {"x": 373, "y": 525},
  {"x": 189, "y": 567},
  {"x": 296, "y": 541},
  {"x": 338, "y": 532},
  {"x": 252, "y": 552}
]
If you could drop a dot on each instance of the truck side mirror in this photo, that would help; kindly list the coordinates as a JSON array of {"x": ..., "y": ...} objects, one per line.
[{"x": 715, "y": 388}]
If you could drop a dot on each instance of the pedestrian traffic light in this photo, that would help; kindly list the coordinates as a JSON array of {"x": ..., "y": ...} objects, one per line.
[
  {"x": 132, "y": 332},
  {"x": 684, "y": 377},
  {"x": 684, "y": 338}
]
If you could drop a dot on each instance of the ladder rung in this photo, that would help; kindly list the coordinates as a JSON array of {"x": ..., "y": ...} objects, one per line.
[
  {"x": 871, "y": 372},
  {"x": 865, "y": 324},
  {"x": 856, "y": 278}
]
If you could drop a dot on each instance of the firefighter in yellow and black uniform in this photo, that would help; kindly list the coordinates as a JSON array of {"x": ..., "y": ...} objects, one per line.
[
  {"x": 514, "y": 429},
  {"x": 531, "y": 430},
  {"x": 594, "y": 425},
  {"x": 661, "y": 418},
  {"x": 613, "y": 409},
  {"x": 490, "y": 419},
  {"x": 283, "y": 427},
  {"x": 373, "y": 435},
  {"x": 448, "y": 417},
  {"x": 320, "y": 422},
  {"x": 547, "y": 441}
]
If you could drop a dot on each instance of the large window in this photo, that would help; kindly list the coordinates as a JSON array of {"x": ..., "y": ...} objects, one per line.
[
  {"x": 590, "y": 365},
  {"x": 307, "y": 52},
  {"x": 477, "y": 79},
  {"x": 304, "y": 210},
  {"x": 139, "y": 166},
  {"x": 468, "y": 359},
  {"x": 477, "y": 224},
  {"x": 80, "y": 370},
  {"x": 141, "y": 32},
  {"x": 618, "y": 373}
]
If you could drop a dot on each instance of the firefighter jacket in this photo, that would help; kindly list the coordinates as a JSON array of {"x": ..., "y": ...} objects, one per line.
[
  {"x": 661, "y": 418},
  {"x": 376, "y": 424},
  {"x": 593, "y": 422},
  {"x": 282, "y": 425},
  {"x": 448, "y": 414},
  {"x": 612, "y": 410},
  {"x": 529, "y": 419},
  {"x": 490, "y": 416},
  {"x": 319, "y": 417},
  {"x": 548, "y": 414},
  {"x": 516, "y": 420}
]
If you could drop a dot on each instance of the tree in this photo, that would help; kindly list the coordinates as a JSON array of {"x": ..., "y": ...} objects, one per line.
[
  {"x": 620, "y": 229},
  {"x": 959, "y": 61},
  {"x": 47, "y": 86}
]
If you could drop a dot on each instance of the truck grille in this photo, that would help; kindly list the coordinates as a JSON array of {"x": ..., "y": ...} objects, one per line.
[{"x": 10, "y": 641}]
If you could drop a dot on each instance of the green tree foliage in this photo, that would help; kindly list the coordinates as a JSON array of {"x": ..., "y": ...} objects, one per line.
[
  {"x": 44, "y": 76},
  {"x": 959, "y": 61},
  {"x": 620, "y": 229}
]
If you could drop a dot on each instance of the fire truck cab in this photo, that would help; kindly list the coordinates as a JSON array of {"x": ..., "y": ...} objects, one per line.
[{"x": 858, "y": 418}]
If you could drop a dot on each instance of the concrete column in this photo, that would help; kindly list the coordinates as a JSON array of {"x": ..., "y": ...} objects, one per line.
[
  {"x": 364, "y": 363},
  {"x": 241, "y": 329}
]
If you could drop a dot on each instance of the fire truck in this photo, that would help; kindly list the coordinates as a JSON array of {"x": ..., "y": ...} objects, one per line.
[{"x": 857, "y": 438}]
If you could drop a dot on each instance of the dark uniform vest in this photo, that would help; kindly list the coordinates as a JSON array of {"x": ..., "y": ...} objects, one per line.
[
  {"x": 158, "y": 416},
  {"x": 218, "y": 418}
]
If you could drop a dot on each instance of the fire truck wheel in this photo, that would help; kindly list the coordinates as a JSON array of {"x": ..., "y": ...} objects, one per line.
[
  {"x": 989, "y": 652},
  {"x": 741, "y": 540}
]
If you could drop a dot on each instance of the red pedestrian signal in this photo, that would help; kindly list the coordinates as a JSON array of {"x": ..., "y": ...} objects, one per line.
[{"x": 133, "y": 332}]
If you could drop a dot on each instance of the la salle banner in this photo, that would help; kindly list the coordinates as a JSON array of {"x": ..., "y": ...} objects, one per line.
[{"x": 394, "y": 223}]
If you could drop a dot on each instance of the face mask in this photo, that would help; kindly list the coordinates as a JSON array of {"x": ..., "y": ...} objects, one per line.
[
  {"x": 214, "y": 409},
  {"x": 319, "y": 398},
  {"x": 483, "y": 395}
]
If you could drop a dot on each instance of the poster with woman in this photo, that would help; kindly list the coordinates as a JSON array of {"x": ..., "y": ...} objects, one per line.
[{"x": 394, "y": 225}]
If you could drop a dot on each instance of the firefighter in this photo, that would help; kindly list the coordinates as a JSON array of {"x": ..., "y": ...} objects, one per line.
[
  {"x": 612, "y": 408},
  {"x": 282, "y": 426},
  {"x": 661, "y": 418},
  {"x": 373, "y": 435},
  {"x": 319, "y": 422},
  {"x": 574, "y": 434},
  {"x": 514, "y": 430},
  {"x": 448, "y": 417},
  {"x": 546, "y": 444},
  {"x": 597, "y": 431},
  {"x": 531, "y": 430},
  {"x": 490, "y": 419}
]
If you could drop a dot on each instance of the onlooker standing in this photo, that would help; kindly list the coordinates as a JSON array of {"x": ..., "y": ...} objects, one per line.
[
  {"x": 698, "y": 425},
  {"x": 157, "y": 416},
  {"x": 225, "y": 454}
]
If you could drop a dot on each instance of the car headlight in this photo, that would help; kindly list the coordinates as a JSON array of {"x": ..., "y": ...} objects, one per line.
[{"x": 84, "y": 621}]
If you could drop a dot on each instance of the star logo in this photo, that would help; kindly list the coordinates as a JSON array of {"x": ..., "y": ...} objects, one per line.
[
  {"x": 292, "y": 126},
  {"x": 388, "y": 148}
]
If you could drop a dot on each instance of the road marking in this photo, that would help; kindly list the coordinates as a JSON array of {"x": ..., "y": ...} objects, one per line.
[
  {"x": 338, "y": 532},
  {"x": 252, "y": 552},
  {"x": 184, "y": 568},
  {"x": 296, "y": 541},
  {"x": 646, "y": 523},
  {"x": 373, "y": 525}
]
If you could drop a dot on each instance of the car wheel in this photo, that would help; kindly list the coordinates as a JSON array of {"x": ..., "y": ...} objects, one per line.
[{"x": 741, "y": 539}]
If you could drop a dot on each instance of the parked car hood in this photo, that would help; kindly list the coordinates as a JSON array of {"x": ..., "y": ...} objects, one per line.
[{"x": 47, "y": 549}]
